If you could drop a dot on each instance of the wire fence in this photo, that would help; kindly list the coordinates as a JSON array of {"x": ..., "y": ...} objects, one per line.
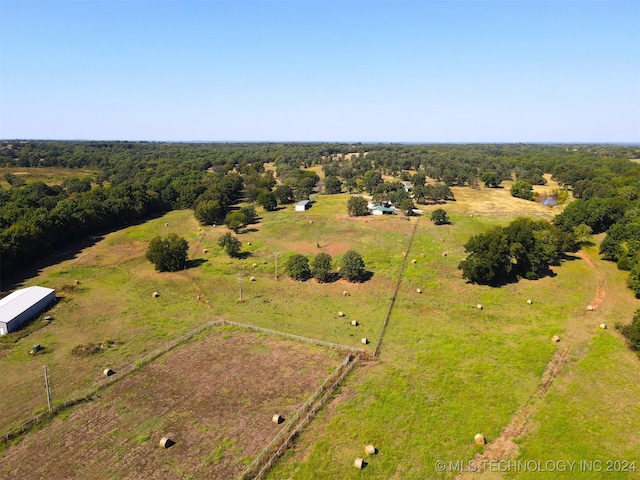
[
  {"x": 290, "y": 336},
  {"x": 265, "y": 460},
  {"x": 376, "y": 352}
]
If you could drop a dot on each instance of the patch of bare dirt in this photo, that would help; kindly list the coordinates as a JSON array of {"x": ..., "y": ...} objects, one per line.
[
  {"x": 602, "y": 285},
  {"x": 215, "y": 397}
]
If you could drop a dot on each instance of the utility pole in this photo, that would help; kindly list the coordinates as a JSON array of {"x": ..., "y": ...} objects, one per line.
[
  {"x": 47, "y": 386},
  {"x": 240, "y": 280},
  {"x": 275, "y": 254}
]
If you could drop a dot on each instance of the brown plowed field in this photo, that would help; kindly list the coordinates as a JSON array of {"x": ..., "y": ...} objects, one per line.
[{"x": 214, "y": 396}]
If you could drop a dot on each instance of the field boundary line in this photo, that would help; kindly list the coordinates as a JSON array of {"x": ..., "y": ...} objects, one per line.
[
  {"x": 292, "y": 336},
  {"x": 376, "y": 352}
]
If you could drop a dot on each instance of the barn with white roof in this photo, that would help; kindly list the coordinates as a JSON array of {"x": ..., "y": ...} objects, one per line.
[{"x": 22, "y": 305}]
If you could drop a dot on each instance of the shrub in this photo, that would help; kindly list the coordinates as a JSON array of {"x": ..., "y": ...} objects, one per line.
[
  {"x": 230, "y": 244},
  {"x": 439, "y": 216},
  {"x": 168, "y": 254},
  {"x": 632, "y": 332}
]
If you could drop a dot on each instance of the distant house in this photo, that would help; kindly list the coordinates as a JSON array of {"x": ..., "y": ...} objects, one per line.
[
  {"x": 380, "y": 210},
  {"x": 303, "y": 205},
  {"x": 22, "y": 305}
]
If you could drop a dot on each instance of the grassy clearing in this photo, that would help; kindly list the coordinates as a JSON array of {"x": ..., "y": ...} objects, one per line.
[{"x": 48, "y": 175}]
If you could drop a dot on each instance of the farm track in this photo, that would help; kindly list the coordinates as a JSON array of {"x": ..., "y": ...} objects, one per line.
[{"x": 504, "y": 447}]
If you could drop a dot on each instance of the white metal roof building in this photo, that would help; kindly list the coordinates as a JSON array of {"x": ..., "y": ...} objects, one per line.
[
  {"x": 22, "y": 305},
  {"x": 302, "y": 205}
]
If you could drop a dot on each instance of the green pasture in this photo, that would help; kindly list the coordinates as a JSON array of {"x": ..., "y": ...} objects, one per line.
[{"x": 446, "y": 371}]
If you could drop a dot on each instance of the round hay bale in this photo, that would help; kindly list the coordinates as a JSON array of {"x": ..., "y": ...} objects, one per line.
[
  {"x": 479, "y": 439},
  {"x": 155, "y": 294},
  {"x": 252, "y": 279},
  {"x": 166, "y": 224},
  {"x": 590, "y": 308},
  {"x": 345, "y": 293},
  {"x": 422, "y": 255},
  {"x": 76, "y": 282},
  {"x": 479, "y": 306},
  {"x": 418, "y": 290},
  {"x": 166, "y": 442},
  {"x": 529, "y": 301},
  {"x": 354, "y": 323},
  {"x": 206, "y": 250},
  {"x": 370, "y": 450},
  {"x": 277, "y": 419},
  {"x": 555, "y": 339},
  {"x": 254, "y": 265},
  {"x": 414, "y": 261},
  {"x": 364, "y": 341},
  {"x": 200, "y": 229},
  {"x": 359, "y": 463},
  {"x": 444, "y": 254},
  {"x": 107, "y": 372},
  {"x": 249, "y": 243},
  {"x": 404, "y": 254},
  {"x": 603, "y": 326},
  {"x": 341, "y": 314}
]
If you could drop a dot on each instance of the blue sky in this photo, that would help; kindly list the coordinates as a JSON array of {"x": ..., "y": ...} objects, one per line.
[{"x": 358, "y": 70}]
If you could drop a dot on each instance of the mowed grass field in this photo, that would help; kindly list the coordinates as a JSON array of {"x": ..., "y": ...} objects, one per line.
[{"x": 446, "y": 370}]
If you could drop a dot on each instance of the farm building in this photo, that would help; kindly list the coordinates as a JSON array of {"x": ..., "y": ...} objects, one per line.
[
  {"x": 380, "y": 210},
  {"x": 302, "y": 205},
  {"x": 22, "y": 305}
]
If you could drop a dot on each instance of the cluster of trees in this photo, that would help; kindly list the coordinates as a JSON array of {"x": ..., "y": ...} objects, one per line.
[
  {"x": 352, "y": 267},
  {"x": 609, "y": 202},
  {"x": 524, "y": 249}
]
